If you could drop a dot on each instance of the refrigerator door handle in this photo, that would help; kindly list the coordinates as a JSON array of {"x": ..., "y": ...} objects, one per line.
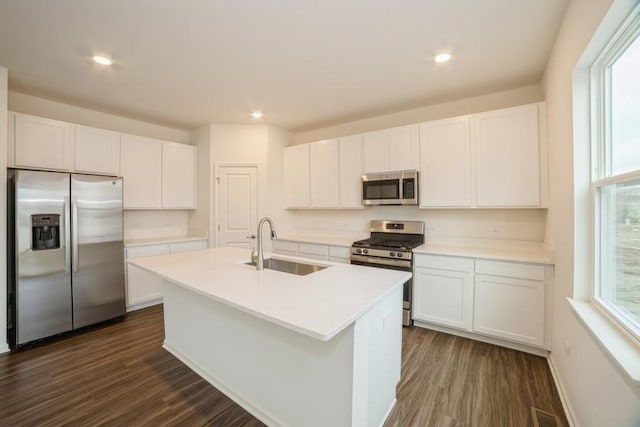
[
  {"x": 74, "y": 222},
  {"x": 67, "y": 228}
]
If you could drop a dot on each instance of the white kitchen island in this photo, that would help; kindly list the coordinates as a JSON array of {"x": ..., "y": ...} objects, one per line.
[{"x": 317, "y": 350}]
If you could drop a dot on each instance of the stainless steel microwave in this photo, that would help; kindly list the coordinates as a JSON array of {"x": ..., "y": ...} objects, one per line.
[{"x": 393, "y": 188}]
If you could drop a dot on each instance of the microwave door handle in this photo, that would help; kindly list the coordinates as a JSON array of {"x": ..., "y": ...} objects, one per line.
[{"x": 401, "y": 188}]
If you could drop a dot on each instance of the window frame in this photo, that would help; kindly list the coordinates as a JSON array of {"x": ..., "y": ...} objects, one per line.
[{"x": 601, "y": 158}]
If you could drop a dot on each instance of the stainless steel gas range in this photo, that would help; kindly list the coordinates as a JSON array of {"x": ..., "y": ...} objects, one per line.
[{"x": 391, "y": 245}]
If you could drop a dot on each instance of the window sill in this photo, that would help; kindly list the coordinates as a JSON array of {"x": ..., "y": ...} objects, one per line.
[{"x": 617, "y": 344}]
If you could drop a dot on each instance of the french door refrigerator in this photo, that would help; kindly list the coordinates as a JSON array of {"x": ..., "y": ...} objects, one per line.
[{"x": 65, "y": 253}]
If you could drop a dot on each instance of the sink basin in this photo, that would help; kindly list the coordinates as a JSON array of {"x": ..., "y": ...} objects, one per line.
[{"x": 291, "y": 267}]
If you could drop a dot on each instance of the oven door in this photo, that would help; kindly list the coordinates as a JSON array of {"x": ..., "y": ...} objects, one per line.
[{"x": 407, "y": 289}]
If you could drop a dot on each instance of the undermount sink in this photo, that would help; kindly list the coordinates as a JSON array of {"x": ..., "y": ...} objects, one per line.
[{"x": 291, "y": 267}]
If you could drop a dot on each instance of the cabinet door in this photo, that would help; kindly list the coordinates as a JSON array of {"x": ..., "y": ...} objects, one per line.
[
  {"x": 143, "y": 288},
  {"x": 285, "y": 248},
  {"x": 510, "y": 308},
  {"x": 43, "y": 143},
  {"x": 350, "y": 159},
  {"x": 178, "y": 176},
  {"x": 141, "y": 168},
  {"x": 507, "y": 153},
  {"x": 443, "y": 297},
  {"x": 296, "y": 176},
  {"x": 97, "y": 151},
  {"x": 323, "y": 159},
  {"x": 403, "y": 148},
  {"x": 375, "y": 151},
  {"x": 445, "y": 163}
]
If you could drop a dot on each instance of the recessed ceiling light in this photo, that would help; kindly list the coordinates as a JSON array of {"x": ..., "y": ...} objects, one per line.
[
  {"x": 257, "y": 115},
  {"x": 102, "y": 60},
  {"x": 443, "y": 57}
]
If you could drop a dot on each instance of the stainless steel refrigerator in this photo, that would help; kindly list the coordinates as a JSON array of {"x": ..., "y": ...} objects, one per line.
[{"x": 65, "y": 253}]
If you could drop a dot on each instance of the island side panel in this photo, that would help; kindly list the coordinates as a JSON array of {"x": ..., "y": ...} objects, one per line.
[
  {"x": 280, "y": 376},
  {"x": 377, "y": 360}
]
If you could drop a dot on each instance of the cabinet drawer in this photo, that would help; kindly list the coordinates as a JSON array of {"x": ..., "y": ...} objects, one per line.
[
  {"x": 285, "y": 247},
  {"x": 510, "y": 269},
  {"x": 311, "y": 249},
  {"x": 444, "y": 262},
  {"x": 194, "y": 245},
  {"x": 143, "y": 251},
  {"x": 340, "y": 252}
]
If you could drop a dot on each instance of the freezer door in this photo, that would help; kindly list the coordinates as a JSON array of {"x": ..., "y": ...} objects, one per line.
[
  {"x": 97, "y": 248},
  {"x": 43, "y": 288}
]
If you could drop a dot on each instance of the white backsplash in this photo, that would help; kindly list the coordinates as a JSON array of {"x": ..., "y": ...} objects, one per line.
[
  {"x": 502, "y": 224},
  {"x": 145, "y": 224}
]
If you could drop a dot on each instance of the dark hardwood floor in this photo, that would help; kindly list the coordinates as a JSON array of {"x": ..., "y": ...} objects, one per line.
[{"x": 119, "y": 375}]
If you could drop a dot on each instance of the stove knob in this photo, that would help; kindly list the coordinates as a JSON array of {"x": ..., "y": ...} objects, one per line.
[
  {"x": 400, "y": 255},
  {"x": 392, "y": 254},
  {"x": 365, "y": 251},
  {"x": 358, "y": 251}
]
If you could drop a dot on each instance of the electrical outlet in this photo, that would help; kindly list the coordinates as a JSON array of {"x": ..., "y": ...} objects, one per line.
[
  {"x": 432, "y": 229},
  {"x": 495, "y": 230},
  {"x": 567, "y": 348}
]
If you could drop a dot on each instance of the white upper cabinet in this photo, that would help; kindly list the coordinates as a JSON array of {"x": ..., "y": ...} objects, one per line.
[
  {"x": 43, "y": 143},
  {"x": 445, "y": 163},
  {"x": 178, "y": 176},
  {"x": 97, "y": 151},
  {"x": 296, "y": 176},
  {"x": 324, "y": 174},
  {"x": 392, "y": 149},
  {"x": 350, "y": 157},
  {"x": 376, "y": 151},
  {"x": 403, "y": 148},
  {"x": 141, "y": 168},
  {"x": 508, "y": 157}
]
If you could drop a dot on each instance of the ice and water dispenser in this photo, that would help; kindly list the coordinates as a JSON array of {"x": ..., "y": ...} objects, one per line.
[{"x": 45, "y": 232}]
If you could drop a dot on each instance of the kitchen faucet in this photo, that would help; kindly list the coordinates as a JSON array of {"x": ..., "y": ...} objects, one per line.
[{"x": 260, "y": 260}]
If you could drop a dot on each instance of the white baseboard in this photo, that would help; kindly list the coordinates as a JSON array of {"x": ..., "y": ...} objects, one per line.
[
  {"x": 478, "y": 337},
  {"x": 4, "y": 348},
  {"x": 564, "y": 398},
  {"x": 147, "y": 302}
]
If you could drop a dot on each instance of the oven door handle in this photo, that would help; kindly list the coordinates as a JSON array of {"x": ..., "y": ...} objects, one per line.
[{"x": 381, "y": 262}]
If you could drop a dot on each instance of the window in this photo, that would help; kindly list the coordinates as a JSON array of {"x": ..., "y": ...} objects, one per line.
[{"x": 616, "y": 176}]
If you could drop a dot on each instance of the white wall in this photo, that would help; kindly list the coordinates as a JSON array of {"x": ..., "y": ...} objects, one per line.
[
  {"x": 597, "y": 392},
  {"x": 509, "y": 98},
  {"x": 241, "y": 144},
  {"x": 3, "y": 210},
  {"x": 199, "y": 218},
  {"x": 513, "y": 224}
]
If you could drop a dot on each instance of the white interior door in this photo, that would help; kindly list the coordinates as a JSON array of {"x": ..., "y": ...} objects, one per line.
[{"x": 237, "y": 208}]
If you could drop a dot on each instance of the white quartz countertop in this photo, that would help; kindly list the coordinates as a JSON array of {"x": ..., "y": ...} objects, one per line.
[
  {"x": 318, "y": 305},
  {"x": 159, "y": 240},
  {"x": 533, "y": 252}
]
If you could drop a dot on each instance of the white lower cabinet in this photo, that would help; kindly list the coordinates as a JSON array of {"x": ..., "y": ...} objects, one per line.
[
  {"x": 144, "y": 289},
  {"x": 320, "y": 252},
  {"x": 510, "y": 301},
  {"x": 503, "y": 300},
  {"x": 443, "y": 291}
]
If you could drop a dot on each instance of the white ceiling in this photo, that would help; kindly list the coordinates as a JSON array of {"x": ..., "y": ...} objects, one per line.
[{"x": 304, "y": 63}]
